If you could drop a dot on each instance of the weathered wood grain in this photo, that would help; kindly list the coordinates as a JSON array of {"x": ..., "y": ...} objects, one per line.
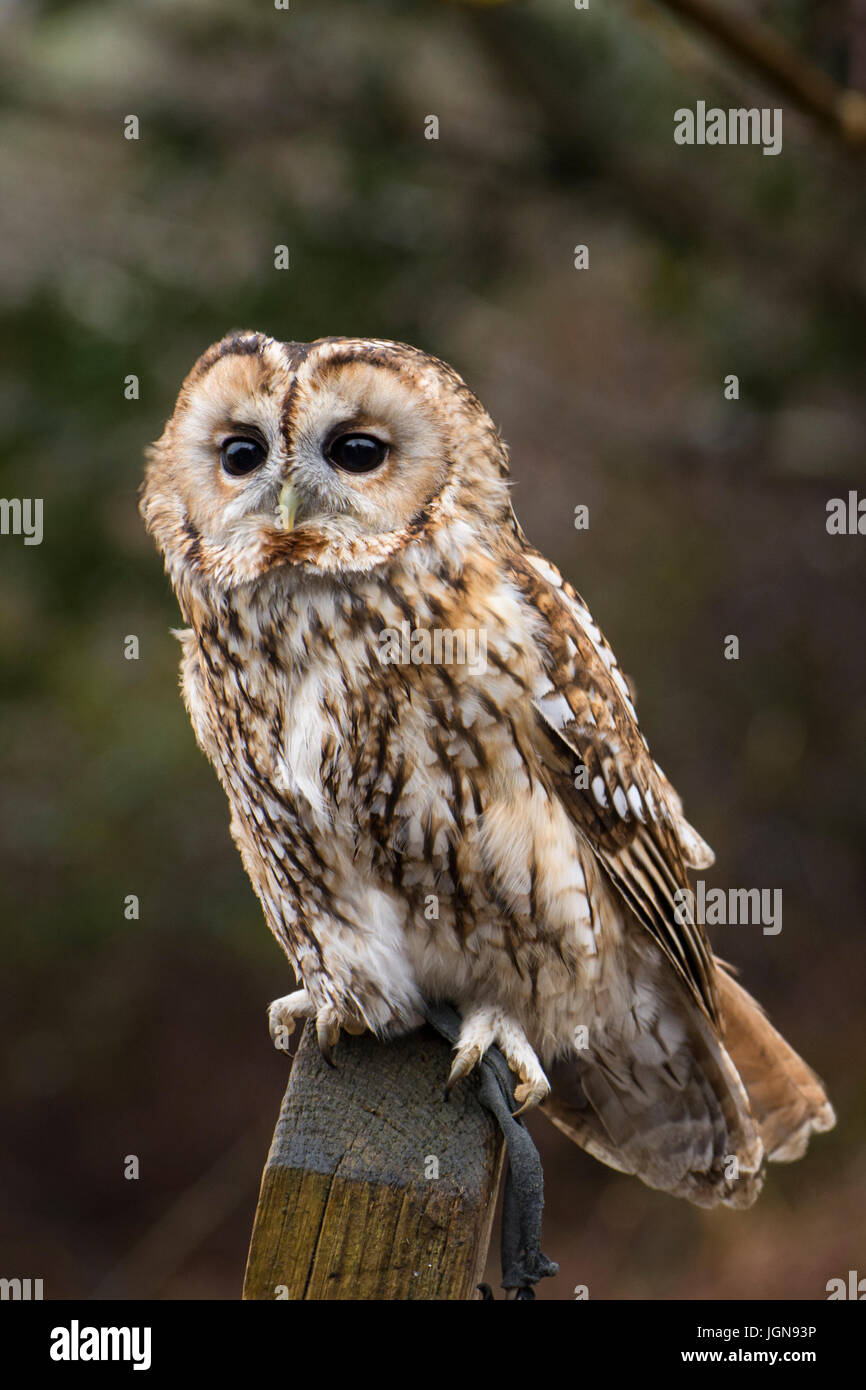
[{"x": 350, "y": 1207}]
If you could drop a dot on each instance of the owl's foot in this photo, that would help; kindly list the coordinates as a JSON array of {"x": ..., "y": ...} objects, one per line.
[
  {"x": 484, "y": 1028},
  {"x": 523, "y": 1262},
  {"x": 329, "y": 1024},
  {"x": 284, "y": 1013}
]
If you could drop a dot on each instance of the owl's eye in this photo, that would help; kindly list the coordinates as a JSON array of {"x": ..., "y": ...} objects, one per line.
[
  {"x": 357, "y": 453},
  {"x": 239, "y": 456}
]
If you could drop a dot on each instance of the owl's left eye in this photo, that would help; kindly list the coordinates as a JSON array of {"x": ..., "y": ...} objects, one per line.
[
  {"x": 357, "y": 453},
  {"x": 241, "y": 455}
]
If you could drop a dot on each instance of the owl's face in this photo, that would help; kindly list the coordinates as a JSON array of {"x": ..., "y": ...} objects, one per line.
[{"x": 332, "y": 455}]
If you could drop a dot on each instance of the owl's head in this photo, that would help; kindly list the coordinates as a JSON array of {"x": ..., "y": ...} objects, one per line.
[{"x": 332, "y": 456}]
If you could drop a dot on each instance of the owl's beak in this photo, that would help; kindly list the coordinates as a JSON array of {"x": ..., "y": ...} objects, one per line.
[{"x": 287, "y": 505}]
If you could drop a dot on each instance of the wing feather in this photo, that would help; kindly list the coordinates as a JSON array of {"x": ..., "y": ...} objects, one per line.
[{"x": 623, "y": 803}]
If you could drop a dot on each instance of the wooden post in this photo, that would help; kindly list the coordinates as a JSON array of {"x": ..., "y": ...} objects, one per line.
[{"x": 375, "y": 1186}]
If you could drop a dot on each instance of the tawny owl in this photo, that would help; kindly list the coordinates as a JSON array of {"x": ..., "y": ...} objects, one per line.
[{"x": 437, "y": 782}]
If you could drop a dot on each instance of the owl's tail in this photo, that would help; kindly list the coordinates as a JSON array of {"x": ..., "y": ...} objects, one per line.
[
  {"x": 786, "y": 1098},
  {"x": 665, "y": 1099}
]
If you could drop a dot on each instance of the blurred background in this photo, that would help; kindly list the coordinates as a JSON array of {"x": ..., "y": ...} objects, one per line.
[{"x": 261, "y": 127}]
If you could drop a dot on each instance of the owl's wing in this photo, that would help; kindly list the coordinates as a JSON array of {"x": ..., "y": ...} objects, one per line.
[{"x": 623, "y": 803}]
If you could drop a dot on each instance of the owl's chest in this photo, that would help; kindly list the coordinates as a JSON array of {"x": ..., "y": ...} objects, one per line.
[
  {"x": 388, "y": 755},
  {"x": 381, "y": 749},
  {"x": 360, "y": 752}
]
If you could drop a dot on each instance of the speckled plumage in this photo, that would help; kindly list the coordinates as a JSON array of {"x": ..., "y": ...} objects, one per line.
[{"x": 497, "y": 836}]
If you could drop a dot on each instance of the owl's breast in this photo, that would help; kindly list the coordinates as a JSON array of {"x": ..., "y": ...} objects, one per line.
[{"x": 402, "y": 799}]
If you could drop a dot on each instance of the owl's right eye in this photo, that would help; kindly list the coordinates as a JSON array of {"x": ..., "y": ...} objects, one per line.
[{"x": 241, "y": 455}]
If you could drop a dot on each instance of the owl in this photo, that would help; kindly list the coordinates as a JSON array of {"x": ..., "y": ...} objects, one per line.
[{"x": 436, "y": 778}]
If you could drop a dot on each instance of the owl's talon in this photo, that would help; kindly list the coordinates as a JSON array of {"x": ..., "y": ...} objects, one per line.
[
  {"x": 328, "y": 1033},
  {"x": 530, "y": 1093},
  {"x": 464, "y": 1061}
]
